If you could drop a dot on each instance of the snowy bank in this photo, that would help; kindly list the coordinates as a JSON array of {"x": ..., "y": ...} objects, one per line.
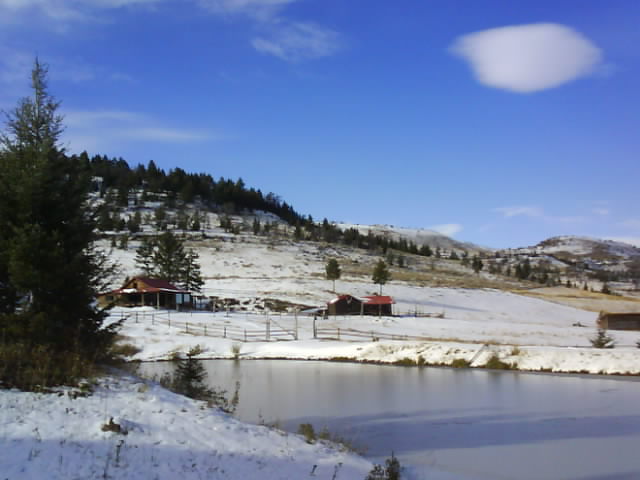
[{"x": 163, "y": 436}]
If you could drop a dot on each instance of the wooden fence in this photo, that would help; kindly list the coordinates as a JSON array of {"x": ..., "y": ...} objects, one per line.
[{"x": 216, "y": 328}]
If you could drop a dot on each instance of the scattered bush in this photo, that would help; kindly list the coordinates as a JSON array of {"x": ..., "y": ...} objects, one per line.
[
  {"x": 515, "y": 351},
  {"x": 391, "y": 470},
  {"x": 602, "y": 339},
  {"x": 307, "y": 431},
  {"x": 235, "y": 350},
  {"x": 406, "y": 362},
  {"x": 460, "y": 363},
  {"x": 495, "y": 363}
]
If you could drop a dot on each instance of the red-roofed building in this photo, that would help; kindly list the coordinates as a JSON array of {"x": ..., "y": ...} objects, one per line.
[
  {"x": 145, "y": 291},
  {"x": 369, "y": 305}
]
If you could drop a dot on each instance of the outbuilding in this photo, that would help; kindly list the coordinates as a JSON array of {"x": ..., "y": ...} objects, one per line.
[
  {"x": 619, "y": 321},
  {"x": 145, "y": 291},
  {"x": 369, "y": 305}
]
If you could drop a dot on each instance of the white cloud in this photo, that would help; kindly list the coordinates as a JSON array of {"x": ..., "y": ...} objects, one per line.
[
  {"x": 448, "y": 229},
  {"x": 298, "y": 41},
  {"x": 601, "y": 211},
  {"x": 528, "y": 58},
  {"x": 509, "y": 212},
  {"x": 100, "y": 130}
]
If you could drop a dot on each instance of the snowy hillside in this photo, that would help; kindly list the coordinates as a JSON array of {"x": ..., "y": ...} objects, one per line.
[
  {"x": 162, "y": 436},
  {"x": 594, "y": 248},
  {"x": 419, "y": 236}
]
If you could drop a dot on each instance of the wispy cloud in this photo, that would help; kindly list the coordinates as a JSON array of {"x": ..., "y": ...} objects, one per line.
[
  {"x": 99, "y": 130},
  {"x": 632, "y": 223},
  {"x": 298, "y": 41},
  {"x": 448, "y": 229},
  {"x": 257, "y": 9},
  {"x": 64, "y": 10},
  {"x": 528, "y": 58},
  {"x": 601, "y": 211},
  {"x": 520, "y": 211},
  {"x": 536, "y": 212},
  {"x": 286, "y": 39}
]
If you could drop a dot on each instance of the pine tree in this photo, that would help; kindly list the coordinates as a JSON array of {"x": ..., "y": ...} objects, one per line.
[
  {"x": 476, "y": 264},
  {"x": 169, "y": 257},
  {"x": 49, "y": 269},
  {"x": 191, "y": 277},
  {"x": 333, "y": 271},
  {"x": 144, "y": 257},
  {"x": 381, "y": 274}
]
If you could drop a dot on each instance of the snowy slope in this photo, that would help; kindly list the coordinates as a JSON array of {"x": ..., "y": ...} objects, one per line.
[{"x": 50, "y": 436}]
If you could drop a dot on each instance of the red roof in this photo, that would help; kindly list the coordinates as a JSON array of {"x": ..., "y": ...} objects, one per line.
[
  {"x": 379, "y": 300},
  {"x": 369, "y": 300}
]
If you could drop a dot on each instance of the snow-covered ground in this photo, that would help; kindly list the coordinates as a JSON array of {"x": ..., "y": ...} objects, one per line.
[
  {"x": 249, "y": 269},
  {"x": 56, "y": 436},
  {"x": 529, "y": 333}
]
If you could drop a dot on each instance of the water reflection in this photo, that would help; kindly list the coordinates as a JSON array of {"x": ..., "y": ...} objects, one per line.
[{"x": 466, "y": 423}]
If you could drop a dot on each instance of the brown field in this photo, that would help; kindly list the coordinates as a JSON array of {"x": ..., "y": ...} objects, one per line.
[{"x": 577, "y": 298}]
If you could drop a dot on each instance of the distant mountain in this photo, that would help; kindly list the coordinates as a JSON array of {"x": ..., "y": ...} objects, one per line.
[{"x": 594, "y": 248}]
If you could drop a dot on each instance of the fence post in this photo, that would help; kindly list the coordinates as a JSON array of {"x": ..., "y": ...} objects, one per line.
[
  {"x": 338, "y": 333},
  {"x": 245, "y": 334},
  {"x": 136, "y": 317},
  {"x": 296, "y": 314},
  {"x": 315, "y": 332},
  {"x": 268, "y": 329},
  {"x": 169, "y": 321},
  {"x": 205, "y": 329},
  {"x": 225, "y": 332}
]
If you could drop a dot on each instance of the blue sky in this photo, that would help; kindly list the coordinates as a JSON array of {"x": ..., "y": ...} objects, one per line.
[{"x": 501, "y": 123}]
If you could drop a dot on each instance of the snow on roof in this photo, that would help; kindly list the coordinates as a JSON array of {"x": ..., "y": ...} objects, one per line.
[
  {"x": 379, "y": 300},
  {"x": 368, "y": 300}
]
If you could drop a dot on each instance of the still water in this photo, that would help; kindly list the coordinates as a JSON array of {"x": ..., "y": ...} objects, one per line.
[{"x": 464, "y": 424}]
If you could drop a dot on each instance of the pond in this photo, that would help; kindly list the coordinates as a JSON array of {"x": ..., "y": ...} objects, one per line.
[{"x": 450, "y": 423}]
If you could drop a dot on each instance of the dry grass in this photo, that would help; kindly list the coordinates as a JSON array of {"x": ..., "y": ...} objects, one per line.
[{"x": 585, "y": 300}]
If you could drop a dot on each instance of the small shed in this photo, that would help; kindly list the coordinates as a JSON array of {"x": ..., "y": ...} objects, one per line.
[
  {"x": 619, "y": 321},
  {"x": 345, "y": 305},
  {"x": 378, "y": 305},
  {"x": 145, "y": 291},
  {"x": 369, "y": 305}
]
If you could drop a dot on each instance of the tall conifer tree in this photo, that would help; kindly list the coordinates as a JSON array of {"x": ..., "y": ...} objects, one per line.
[{"x": 49, "y": 270}]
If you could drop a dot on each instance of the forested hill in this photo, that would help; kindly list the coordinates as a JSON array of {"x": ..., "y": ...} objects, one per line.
[
  {"x": 228, "y": 195},
  {"x": 118, "y": 183}
]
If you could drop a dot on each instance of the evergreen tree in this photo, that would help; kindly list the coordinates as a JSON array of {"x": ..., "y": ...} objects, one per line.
[
  {"x": 192, "y": 277},
  {"x": 381, "y": 274},
  {"x": 133, "y": 224},
  {"x": 144, "y": 257},
  {"x": 333, "y": 271},
  {"x": 169, "y": 258},
  {"x": 476, "y": 264},
  {"x": 49, "y": 269},
  {"x": 256, "y": 226}
]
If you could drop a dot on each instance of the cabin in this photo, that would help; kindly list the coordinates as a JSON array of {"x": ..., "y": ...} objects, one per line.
[
  {"x": 369, "y": 305},
  {"x": 619, "y": 321},
  {"x": 145, "y": 291}
]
